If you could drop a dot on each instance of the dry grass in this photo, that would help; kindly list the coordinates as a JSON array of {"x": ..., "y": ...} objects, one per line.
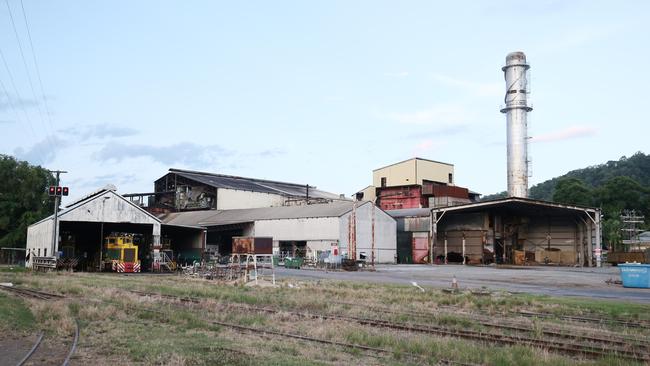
[{"x": 118, "y": 325}]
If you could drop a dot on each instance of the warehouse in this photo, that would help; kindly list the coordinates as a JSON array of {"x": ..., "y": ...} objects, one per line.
[
  {"x": 304, "y": 230},
  {"x": 84, "y": 224},
  {"x": 517, "y": 231},
  {"x": 187, "y": 190}
]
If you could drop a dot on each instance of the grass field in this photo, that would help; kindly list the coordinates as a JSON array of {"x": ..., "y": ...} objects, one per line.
[{"x": 118, "y": 325}]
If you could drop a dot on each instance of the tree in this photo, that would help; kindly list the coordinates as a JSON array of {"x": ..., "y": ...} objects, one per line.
[
  {"x": 23, "y": 199},
  {"x": 573, "y": 191}
]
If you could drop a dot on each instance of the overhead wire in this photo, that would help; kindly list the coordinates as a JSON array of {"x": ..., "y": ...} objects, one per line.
[
  {"x": 11, "y": 104},
  {"x": 48, "y": 137},
  {"x": 38, "y": 70}
]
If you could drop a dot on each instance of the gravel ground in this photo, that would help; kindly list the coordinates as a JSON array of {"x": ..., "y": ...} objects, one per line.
[{"x": 556, "y": 281}]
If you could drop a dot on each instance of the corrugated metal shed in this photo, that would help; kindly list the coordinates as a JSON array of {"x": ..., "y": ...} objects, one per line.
[
  {"x": 224, "y": 217},
  {"x": 254, "y": 185}
]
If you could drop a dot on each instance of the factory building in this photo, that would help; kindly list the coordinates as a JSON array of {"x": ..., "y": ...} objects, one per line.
[
  {"x": 300, "y": 230},
  {"x": 83, "y": 225},
  {"x": 517, "y": 231},
  {"x": 416, "y": 183},
  {"x": 185, "y": 190},
  {"x": 413, "y": 234}
]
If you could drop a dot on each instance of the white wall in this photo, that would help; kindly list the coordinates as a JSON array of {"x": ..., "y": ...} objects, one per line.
[
  {"x": 228, "y": 199},
  {"x": 39, "y": 236},
  {"x": 385, "y": 233},
  {"x": 309, "y": 229}
]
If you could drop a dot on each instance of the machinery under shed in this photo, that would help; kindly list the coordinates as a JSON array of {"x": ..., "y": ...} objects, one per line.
[
  {"x": 517, "y": 231},
  {"x": 103, "y": 226}
]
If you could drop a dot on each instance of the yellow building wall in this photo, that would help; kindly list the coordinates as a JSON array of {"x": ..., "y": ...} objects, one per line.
[{"x": 412, "y": 171}]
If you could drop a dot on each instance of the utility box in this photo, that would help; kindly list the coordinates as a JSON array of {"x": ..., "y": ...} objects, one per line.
[{"x": 252, "y": 245}]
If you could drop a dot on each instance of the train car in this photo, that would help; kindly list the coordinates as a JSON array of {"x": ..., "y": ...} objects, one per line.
[{"x": 121, "y": 254}]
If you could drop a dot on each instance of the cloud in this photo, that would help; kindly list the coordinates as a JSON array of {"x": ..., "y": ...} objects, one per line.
[
  {"x": 6, "y": 103},
  {"x": 99, "y": 131},
  {"x": 44, "y": 151},
  {"x": 446, "y": 114},
  {"x": 426, "y": 146},
  {"x": 572, "y": 132},
  {"x": 446, "y": 130},
  {"x": 186, "y": 153},
  {"x": 480, "y": 89},
  {"x": 102, "y": 180},
  {"x": 399, "y": 74}
]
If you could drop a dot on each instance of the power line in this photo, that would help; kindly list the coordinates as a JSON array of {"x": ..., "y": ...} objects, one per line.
[
  {"x": 40, "y": 153},
  {"x": 38, "y": 71},
  {"x": 29, "y": 77},
  {"x": 13, "y": 84}
]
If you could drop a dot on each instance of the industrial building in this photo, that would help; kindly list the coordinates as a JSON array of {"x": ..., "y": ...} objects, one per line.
[
  {"x": 301, "y": 230},
  {"x": 413, "y": 234},
  {"x": 186, "y": 190},
  {"x": 415, "y": 183},
  {"x": 516, "y": 230},
  {"x": 83, "y": 225}
]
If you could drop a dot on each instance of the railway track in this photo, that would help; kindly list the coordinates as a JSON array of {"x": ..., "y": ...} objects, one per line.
[
  {"x": 41, "y": 295},
  {"x": 34, "y": 294},
  {"x": 597, "y": 348},
  {"x": 371, "y": 351},
  {"x": 512, "y": 325}
]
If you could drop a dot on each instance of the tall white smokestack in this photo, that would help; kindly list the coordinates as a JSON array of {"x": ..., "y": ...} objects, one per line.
[{"x": 516, "y": 110}]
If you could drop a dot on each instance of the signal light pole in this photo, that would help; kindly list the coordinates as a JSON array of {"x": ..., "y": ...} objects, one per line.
[{"x": 55, "y": 227}]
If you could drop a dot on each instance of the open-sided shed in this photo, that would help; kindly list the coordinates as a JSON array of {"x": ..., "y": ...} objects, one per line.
[
  {"x": 517, "y": 230},
  {"x": 83, "y": 225}
]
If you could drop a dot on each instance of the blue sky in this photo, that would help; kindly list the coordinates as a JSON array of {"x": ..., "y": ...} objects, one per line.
[{"x": 317, "y": 92}]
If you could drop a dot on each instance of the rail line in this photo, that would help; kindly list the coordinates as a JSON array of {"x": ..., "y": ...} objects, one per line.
[
  {"x": 32, "y": 350},
  {"x": 555, "y": 345},
  {"x": 34, "y": 294},
  {"x": 511, "y": 325},
  {"x": 361, "y": 347},
  {"x": 73, "y": 347}
]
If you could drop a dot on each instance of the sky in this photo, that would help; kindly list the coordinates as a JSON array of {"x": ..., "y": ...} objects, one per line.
[{"x": 316, "y": 92}]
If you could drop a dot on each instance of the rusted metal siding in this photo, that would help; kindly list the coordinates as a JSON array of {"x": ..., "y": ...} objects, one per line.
[
  {"x": 252, "y": 245},
  {"x": 420, "y": 247},
  {"x": 394, "y": 198}
]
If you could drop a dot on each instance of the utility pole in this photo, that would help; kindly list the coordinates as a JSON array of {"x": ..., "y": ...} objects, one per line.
[{"x": 55, "y": 227}]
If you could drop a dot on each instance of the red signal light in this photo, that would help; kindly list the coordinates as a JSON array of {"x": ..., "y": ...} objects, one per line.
[
  {"x": 65, "y": 191},
  {"x": 52, "y": 191},
  {"x": 59, "y": 190}
]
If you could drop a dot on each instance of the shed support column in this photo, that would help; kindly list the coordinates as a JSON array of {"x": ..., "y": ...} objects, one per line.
[
  {"x": 446, "y": 249},
  {"x": 433, "y": 234},
  {"x": 590, "y": 247},
  {"x": 463, "y": 249},
  {"x": 581, "y": 245},
  {"x": 598, "y": 239}
]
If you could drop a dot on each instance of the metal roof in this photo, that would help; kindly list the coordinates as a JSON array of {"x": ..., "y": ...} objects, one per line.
[
  {"x": 225, "y": 217},
  {"x": 410, "y": 212},
  {"x": 516, "y": 203},
  {"x": 253, "y": 184},
  {"x": 415, "y": 158}
]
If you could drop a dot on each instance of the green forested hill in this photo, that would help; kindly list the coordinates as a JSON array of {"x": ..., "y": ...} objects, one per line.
[
  {"x": 636, "y": 167},
  {"x": 614, "y": 186}
]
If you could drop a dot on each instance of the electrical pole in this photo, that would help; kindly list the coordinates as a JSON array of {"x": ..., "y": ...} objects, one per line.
[{"x": 55, "y": 227}]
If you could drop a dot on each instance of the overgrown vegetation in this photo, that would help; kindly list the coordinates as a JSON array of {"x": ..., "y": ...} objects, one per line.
[{"x": 119, "y": 325}]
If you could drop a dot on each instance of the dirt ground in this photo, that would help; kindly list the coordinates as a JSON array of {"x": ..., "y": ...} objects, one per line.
[{"x": 554, "y": 281}]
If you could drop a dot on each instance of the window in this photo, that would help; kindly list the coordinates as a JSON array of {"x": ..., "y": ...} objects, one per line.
[
  {"x": 44, "y": 252},
  {"x": 451, "y": 178},
  {"x": 383, "y": 181}
]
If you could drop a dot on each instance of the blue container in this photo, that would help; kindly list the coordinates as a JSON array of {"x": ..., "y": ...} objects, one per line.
[{"x": 635, "y": 275}]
